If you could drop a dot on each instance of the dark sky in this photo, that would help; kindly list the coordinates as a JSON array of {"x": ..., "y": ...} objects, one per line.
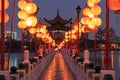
[{"x": 67, "y": 9}]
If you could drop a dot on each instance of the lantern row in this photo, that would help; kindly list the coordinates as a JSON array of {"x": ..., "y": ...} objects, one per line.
[
  {"x": 6, "y": 16},
  {"x": 27, "y": 14},
  {"x": 90, "y": 19}
]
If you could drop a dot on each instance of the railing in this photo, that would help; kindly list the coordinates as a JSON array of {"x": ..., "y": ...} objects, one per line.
[
  {"x": 86, "y": 70},
  {"x": 28, "y": 70}
]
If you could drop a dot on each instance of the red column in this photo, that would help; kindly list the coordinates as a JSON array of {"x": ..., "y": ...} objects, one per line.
[
  {"x": 2, "y": 36},
  {"x": 107, "y": 37}
]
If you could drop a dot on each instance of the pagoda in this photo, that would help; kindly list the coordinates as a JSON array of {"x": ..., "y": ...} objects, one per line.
[{"x": 57, "y": 27}]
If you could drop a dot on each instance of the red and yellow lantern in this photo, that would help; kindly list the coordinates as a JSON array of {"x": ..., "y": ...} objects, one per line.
[
  {"x": 32, "y": 31},
  {"x": 23, "y": 14},
  {"x": 6, "y": 17},
  {"x": 31, "y": 21},
  {"x": 6, "y": 4},
  {"x": 22, "y": 24},
  {"x": 22, "y": 4},
  {"x": 31, "y": 8}
]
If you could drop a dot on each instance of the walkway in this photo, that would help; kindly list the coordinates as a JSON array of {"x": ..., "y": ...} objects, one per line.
[{"x": 57, "y": 70}]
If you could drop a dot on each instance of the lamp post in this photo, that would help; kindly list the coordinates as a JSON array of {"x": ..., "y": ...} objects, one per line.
[{"x": 78, "y": 9}]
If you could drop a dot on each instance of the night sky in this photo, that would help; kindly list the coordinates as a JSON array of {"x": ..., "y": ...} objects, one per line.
[{"x": 67, "y": 9}]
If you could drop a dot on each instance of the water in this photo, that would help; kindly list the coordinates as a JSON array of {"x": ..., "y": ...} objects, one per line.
[{"x": 15, "y": 59}]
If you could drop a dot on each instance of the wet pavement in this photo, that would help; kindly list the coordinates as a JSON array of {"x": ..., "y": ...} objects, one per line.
[{"x": 57, "y": 70}]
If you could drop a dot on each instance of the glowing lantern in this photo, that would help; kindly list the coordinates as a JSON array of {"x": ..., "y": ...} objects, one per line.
[
  {"x": 45, "y": 40},
  {"x": 32, "y": 30},
  {"x": 6, "y": 4},
  {"x": 91, "y": 26},
  {"x": 90, "y": 3},
  {"x": 22, "y": 14},
  {"x": 22, "y": 24},
  {"x": 73, "y": 31},
  {"x": 86, "y": 11},
  {"x": 6, "y": 18},
  {"x": 86, "y": 29},
  {"x": 96, "y": 10},
  {"x": 66, "y": 40},
  {"x": 38, "y": 35},
  {"x": 95, "y": 1},
  {"x": 82, "y": 29},
  {"x": 38, "y": 29},
  {"x": 114, "y": 4},
  {"x": 74, "y": 37},
  {"x": 96, "y": 21},
  {"x": 31, "y": 8},
  {"x": 90, "y": 14},
  {"x": 66, "y": 36},
  {"x": 22, "y": 4},
  {"x": 31, "y": 21},
  {"x": 85, "y": 20}
]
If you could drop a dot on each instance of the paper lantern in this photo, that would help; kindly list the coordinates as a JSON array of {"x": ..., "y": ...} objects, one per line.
[
  {"x": 23, "y": 14},
  {"x": 38, "y": 35},
  {"x": 22, "y": 4},
  {"x": 85, "y": 29},
  {"x": 96, "y": 10},
  {"x": 31, "y": 21},
  {"x": 6, "y": 17},
  {"x": 22, "y": 24},
  {"x": 91, "y": 26},
  {"x": 85, "y": 11},
  {"x": 96, "y": 21},
  {"x": 6, "y": 4},
  {"x": 85, "y": 20},
  {"x": 95, "y": 1},
  {"x": 114, "y": 4},
  {"x": 32, "y": 31},
  {"x": 90, "y": 3},
  {"x": 31, "y": 8}
]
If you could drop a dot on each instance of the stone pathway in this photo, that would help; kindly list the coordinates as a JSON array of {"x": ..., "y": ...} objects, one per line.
[{"x": 57, "y": 70}]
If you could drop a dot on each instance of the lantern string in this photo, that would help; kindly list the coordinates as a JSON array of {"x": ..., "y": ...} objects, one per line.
[{"x": 11, "y": 29}]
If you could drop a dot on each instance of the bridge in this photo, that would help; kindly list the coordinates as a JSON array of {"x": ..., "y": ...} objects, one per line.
[{"x": 57, "y": 65}]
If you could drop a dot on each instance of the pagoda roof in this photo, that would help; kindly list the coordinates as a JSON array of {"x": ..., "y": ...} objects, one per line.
[{"x": 58, "y": 19}]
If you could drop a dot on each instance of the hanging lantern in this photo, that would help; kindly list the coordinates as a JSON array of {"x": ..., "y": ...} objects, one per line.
[
  {"x": 6, "y": 17},
  {"x": 74, "y": 37},
  {"x": 96, "y": 21},
  {"x": 90, "y": 3},
  {"x": 38, "y": 35},
  {"x": 96, "y": 10},
  {"x": 31, "y": 8},
  {"x": 46, "y": 40},
  {"x": 86, "y": 29},
  {"x": 22, "y": 24},
  {"x": 32, "y": 31},
  {"x": 95, "y": 1},
  {"x": 38, "y": 29},
  {"x": 6, "y": 4},
  {"x": 114, "y": 4},
  {"x": 23, "y": 14},
  {"x": 85, "y": 20},
  {"x": 22, "y": 4},
  {"x": 31, "y": 21},
  {"x": 91, "y": 26},
  {"x": 85, "y": 11}
]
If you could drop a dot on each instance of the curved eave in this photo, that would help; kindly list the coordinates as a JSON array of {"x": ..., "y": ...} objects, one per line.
[{"x": 57, "y": 19}]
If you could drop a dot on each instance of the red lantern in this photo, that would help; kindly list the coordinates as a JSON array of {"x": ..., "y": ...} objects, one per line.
[
  {"x": 6, "y": 16},
  {"x": 114, "y": 4}
]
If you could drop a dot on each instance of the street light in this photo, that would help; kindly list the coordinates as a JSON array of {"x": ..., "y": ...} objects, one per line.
[{"x": 78, "y": 9}]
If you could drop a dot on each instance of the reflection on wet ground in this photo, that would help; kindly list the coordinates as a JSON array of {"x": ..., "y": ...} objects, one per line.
[{"x": 57, "y": 70}]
